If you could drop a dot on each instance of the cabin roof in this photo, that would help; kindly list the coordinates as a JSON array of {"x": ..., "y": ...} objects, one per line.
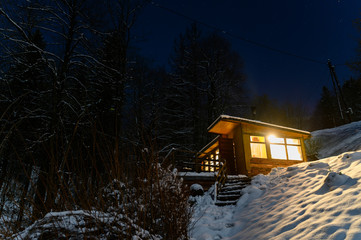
[{"x": 224, "y": 124}]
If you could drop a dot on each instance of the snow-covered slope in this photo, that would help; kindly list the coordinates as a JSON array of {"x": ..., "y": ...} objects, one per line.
[
  {"x": 313, "y": 200},
  {"x": 335, "y": 141}
]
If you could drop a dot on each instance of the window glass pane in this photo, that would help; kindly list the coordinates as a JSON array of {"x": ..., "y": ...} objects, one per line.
[
  {"x": 273, "y": 139},
  {"x": 206, "y": 168},
  {"x": 258, "y": 150},
  {"x": 257, "y": 139},
  {"x": 211, "y": 168},
  {"x": 278, "y": 151},
  {"x": 294, "y": 152},
  {"x": 293, "y": 141}
]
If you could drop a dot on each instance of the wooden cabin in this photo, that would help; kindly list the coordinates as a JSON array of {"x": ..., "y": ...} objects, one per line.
[{"x": 251, "y": 147}]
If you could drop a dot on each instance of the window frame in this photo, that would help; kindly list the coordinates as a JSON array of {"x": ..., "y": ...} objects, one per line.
[
  {"x": 285, "y": 143},
  {"x": 264, "y": 142},
  {"x": 211, "y": 164}
]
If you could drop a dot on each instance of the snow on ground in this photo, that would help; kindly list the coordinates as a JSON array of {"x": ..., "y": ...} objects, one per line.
[
  {"x": 313, "y": 200},
  {"x": 83, "y": 225},
  {"x": 335, "y": 141},
  {"x": 196, "y": 174}
]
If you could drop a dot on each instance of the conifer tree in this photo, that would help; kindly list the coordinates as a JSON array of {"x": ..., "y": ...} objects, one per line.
[
  {"x": 206, "y": 81},
  {"x": 326, "y": 114}
]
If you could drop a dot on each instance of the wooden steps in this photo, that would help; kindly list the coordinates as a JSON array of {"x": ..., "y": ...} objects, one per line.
[{"x": 232, "y": 190}]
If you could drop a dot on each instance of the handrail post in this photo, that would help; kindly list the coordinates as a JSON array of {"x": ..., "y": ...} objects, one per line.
[
  {"x": 221, "y": 177},
  {"x": 215, "y": 191}
]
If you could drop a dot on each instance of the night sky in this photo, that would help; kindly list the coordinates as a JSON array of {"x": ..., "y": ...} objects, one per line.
[{"x": 314, "y": 29}]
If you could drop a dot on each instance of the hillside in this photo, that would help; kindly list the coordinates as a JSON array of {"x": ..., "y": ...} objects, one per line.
[
  {"x": 334, "y": 141},
  {"x": 314, "y": 200}
]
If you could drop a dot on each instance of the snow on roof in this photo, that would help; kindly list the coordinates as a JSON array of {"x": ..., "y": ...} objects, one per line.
[{"x": 256, "y": 122}]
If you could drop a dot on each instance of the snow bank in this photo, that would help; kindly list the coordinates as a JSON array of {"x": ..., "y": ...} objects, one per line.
[
  {"x": 83, "y": 225},
  {"x": 314, "y": 200},
  {"x": 335, "y": 141},
  {"x": 195, "y": 174}
]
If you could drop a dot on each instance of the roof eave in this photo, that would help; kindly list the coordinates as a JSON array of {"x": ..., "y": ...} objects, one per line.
[{"x": 228, "y": 118}]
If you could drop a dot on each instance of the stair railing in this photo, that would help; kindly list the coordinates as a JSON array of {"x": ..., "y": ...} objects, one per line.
[
  {"x": 189, "y": 161},
  {"x": 221, "y": 178}
]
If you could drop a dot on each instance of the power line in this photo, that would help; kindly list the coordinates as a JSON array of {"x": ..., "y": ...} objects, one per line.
[{"x": 255, "y": 43}]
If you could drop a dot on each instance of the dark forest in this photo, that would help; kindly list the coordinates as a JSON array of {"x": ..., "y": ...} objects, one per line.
[{"x": 80, "y": 107}]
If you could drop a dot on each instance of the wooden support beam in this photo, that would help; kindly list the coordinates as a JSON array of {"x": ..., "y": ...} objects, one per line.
[{"x": 239, "y": 151}]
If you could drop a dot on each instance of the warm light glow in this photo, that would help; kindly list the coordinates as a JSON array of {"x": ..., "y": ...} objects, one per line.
[
  {"x": 211, "y": 168},
  {"x": 274, "y": 139},
  {"x": 206, "y": 167},
  {"x": 293, "y": 141},
  {"x": 257, "y": 138},
  {"x": 280, "y": 147},
  {"x": 271, "y": 137},
  {"x": 258, "y": 147},
  {"x": 217, "y": 154},
  {"x": 258, "y": 150},
  {"x": 294, "y": 152},
  {"x": 278, "y": 151}
]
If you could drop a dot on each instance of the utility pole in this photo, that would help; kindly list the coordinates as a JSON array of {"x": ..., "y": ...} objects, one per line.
[{"x": 341, "y": 104}]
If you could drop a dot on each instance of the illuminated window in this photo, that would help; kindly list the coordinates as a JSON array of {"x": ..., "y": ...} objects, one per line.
[
  {"x": 294, "y": 149},
  {"x": 257, "y": 139},
  {"x": 289, "y": 149},
  {"x": 294, "y": 152},
  {"x": 206, "y": 168},
  {"x": 293, "y": 141},
  {"x": 211, "y": 162},
  {"x": 217, "y": 160},
  {"x": 278, "y": 151},
  {"x": 258, "y": 147},
  {"x": 273, "y": 139}
]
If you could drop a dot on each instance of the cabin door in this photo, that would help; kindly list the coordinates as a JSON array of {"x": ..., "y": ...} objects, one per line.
[{"x": 226, "y": 152}]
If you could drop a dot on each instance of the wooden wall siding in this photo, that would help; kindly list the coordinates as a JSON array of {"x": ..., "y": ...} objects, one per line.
[
  {"x": 255, "y": 171},
  {"x": 272, "y": 162},
  {"x": 226, "y": 152},
  {"x": 264, "y": 166}
]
